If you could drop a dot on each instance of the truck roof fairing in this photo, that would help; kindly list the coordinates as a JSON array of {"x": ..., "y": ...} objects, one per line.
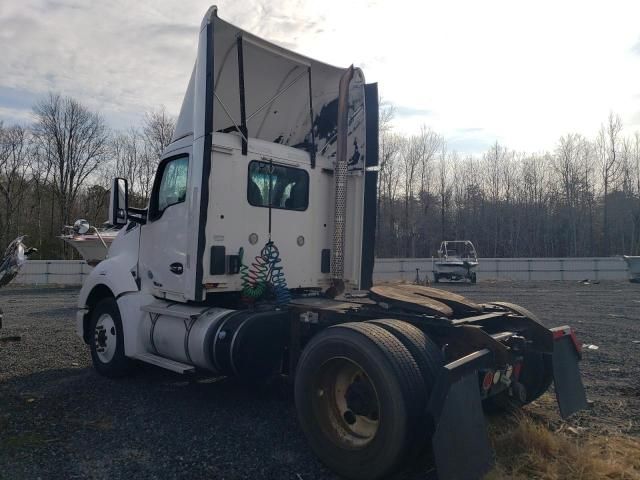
[{"x": 288, "y": 98}]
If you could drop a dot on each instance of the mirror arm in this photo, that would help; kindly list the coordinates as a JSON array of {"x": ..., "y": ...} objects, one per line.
[
  {"x": 137, "y": 211},
  {"x": 137, "y": 215}
]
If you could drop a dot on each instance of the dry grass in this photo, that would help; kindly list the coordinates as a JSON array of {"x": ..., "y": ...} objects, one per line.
[{"x": 526, "y": 449}]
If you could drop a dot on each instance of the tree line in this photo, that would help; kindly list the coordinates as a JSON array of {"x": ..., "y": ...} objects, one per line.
[
  {"x": 59, "y": 168},
  {"x": 581, "y": 199}
]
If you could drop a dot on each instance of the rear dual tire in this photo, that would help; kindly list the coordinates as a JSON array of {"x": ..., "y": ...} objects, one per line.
[
  {"x": 424, "y": 351},
  {"x": 360, "y": 392}
]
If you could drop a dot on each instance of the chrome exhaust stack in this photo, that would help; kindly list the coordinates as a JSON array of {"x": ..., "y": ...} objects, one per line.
[{"x": 340, "y": 187}]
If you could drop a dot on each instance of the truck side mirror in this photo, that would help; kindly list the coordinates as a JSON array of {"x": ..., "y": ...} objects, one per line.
[{"x": 118, "y": 203}]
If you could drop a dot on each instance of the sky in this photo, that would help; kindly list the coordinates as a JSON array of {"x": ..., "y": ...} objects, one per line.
[{"x": 522, "y": 73}]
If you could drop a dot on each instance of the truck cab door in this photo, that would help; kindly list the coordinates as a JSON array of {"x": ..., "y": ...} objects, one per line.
[{"x": 163, "y": 243}]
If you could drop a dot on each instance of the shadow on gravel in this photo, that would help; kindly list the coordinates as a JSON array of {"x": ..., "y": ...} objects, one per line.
[{"x": 152, "y": 424}]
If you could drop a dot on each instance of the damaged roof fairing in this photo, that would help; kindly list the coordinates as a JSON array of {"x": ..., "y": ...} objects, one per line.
[{"x": 278, "y": 84}]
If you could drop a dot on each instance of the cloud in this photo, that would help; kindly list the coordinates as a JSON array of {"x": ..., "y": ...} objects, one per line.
[
  {"x": 119, "y": 64},
  {"x": 16, "y": 98},
  {"x": 492, "y": 69},
  {"x": 15, "y": 115},
  {"x": 122, "y": 57},
  {"x": 286, "y": 22},
  {"x": 470, "y": 140},
  {"x": 634, "y": 119}
]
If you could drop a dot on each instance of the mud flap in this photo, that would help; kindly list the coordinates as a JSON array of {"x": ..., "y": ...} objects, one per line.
[
  {"x": 569, "y": 389},
  {"x": 460, "y": 442}
]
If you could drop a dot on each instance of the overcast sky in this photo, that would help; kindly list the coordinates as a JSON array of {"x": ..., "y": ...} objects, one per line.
[{"x": 519, "y": 72}]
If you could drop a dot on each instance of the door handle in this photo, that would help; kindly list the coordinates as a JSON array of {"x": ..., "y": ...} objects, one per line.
[{"x": 176, "y": 268}]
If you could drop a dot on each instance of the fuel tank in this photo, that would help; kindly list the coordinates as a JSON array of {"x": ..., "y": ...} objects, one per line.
[{"x": 245, "y": 343}]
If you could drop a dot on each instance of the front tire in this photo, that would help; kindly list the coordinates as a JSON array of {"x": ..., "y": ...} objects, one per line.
[
  {"x": 107, "y": 339},
  {"x": 360, "y": 399}
]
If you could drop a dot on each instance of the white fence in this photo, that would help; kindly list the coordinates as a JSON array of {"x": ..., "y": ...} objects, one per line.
[
  {"x": 55, "y": 272},
  {"x": 72, "y": 272},
  {"x": 593, "y": 268}
]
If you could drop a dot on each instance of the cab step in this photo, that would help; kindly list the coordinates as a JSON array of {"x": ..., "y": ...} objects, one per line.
[{"x": 166, "y": 363}]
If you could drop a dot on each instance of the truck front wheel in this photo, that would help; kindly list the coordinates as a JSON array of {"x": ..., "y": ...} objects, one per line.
[
  {"x": 360, "y": 398},
  {"x": 107, "y": 339}
]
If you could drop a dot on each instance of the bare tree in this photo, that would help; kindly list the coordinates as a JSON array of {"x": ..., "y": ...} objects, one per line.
[
  {"x": 533, "y": 197},
  {"x": 386, "y": 114},
  {"x": 493, "y": 162},
  {"x": 626, "y": 167},
  {"x": 15, "y": 165},
  {"x": 130, "y": 160},
  {"x": 443, "y": 185},
  {"x": 567, "y": 165},
  {"x": 389, "y": 146},
  {"x": 608, "y": 146},
  {"x": 635, "y": 165},
  {"x": 72, "y": 142},
  {"x": 416, "y": 156},
  {"x": 157, "y": 130},
  {"x": 409, "y": 161},
  {"x": 388, "y": 184},
  {"x": 636, "y": 162}
]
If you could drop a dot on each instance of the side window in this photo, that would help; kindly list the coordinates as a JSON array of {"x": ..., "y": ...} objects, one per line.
[
  {"x": 173, "y": 185},
  {"x": 277, "y": 186}
]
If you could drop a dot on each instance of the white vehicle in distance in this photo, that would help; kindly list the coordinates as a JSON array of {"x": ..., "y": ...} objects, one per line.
[{"x": 457, "y": 260}]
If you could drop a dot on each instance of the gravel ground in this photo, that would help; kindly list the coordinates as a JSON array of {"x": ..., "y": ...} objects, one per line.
[{"x": 59, "y": 419}]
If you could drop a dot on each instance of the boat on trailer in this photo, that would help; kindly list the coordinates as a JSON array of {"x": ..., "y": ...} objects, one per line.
[
  {"x": 457, "y": 260},
  {"x": 91, "y": 243}
]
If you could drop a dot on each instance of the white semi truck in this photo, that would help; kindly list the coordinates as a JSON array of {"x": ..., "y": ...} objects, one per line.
[{"x": 254, "y": 258}]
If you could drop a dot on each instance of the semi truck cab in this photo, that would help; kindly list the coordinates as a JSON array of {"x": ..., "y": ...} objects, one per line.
[{"x": 254, "y": 258}]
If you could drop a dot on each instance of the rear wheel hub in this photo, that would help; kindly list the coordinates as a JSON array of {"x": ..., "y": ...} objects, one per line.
[{"x": 347, "y": 403}]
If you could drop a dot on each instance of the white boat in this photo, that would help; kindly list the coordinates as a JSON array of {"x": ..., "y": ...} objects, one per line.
[
  {"x": 634, "y": 268},
  {"x": 15, "y": 256},
  {"x": 457, "y": 260},
  {"x": 93, "y": 247}
]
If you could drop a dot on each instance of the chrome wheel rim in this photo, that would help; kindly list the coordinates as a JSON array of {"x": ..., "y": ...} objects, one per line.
[{"x": 105, "y": 338}]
